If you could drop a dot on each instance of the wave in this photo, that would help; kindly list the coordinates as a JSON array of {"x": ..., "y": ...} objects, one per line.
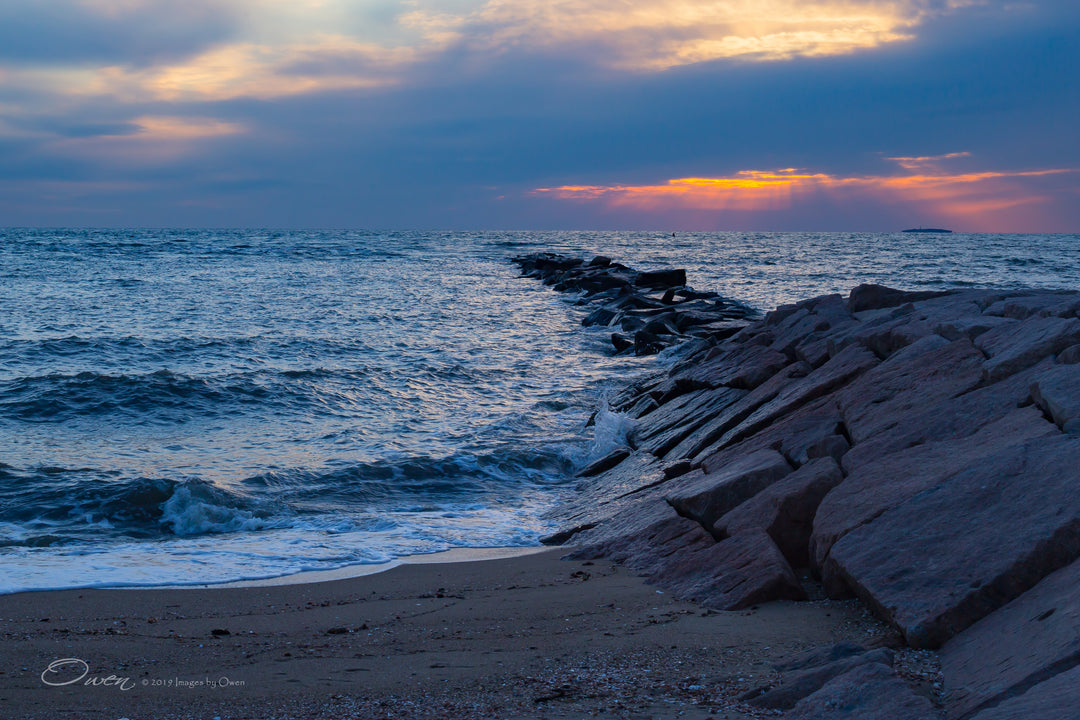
[
  {"x": 58, "y": 397},
  {"x": 135, "y": 351},
  {"x": 51, "y": 506},
  {"x": 58, "y": 506},
  {"x": 172, "y": 397}
]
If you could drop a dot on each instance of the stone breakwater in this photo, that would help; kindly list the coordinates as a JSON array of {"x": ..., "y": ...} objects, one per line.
[
  {"x": 651, "y": 310},
  {"x": 918, "y": 450}
]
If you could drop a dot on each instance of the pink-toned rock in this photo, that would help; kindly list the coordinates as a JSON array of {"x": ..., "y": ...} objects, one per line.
[
  {"x": 888, "y": 330},
  {"x": 814, "y": 431},
  {"x": 1057, "y": 392},
  {"x": 868, "y": 692},
  {"x": 1055, "y": 699},
  {"x": 666, "y": 427},
  {"x": 946, "y": 418},
  {"x": 1070, "y": 355},
  {"x": 841, "y": 369},
  {"x": 926, "y": 372},
  {"x": 732, "y": 574},
  {"x": 810, "y": 432},
  {"x": 640, "y": 516},
  {"x": 743, "y": 366},
  {"x": 1012, "y": 348},
  {"x": 955, "y": 553},
  {"x": 818, "y": 315},
  {"x": 600, "y": 497},
  {"x": 814, "y": 350},
  {"x": 785, "y": 510},
  {"x": 1012, "y": 650},
  {"x": 889, "y": 481},
  {"x": 633, "y": 393},
  {"x": 681, "y": 409},
  {"x": 1040, "y": 304},
  {"x": 872, "y": 297},
  {"x": 705, "y": 497},
  {"x": 887, "y": 338},
  {"x": 697, "y": 445},
  {"x": 677, "y": 555},
  {"x": 970, "y": 327}
]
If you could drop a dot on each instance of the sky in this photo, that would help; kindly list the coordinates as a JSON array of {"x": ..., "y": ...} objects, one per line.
[{"x": 757, "y": 115}]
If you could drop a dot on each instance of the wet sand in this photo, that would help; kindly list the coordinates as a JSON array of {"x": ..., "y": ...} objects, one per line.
[{"x": 521, "y": 637}]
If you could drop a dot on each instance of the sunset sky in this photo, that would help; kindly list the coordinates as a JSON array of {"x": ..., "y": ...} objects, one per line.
[{"x": 545, "y": 114}]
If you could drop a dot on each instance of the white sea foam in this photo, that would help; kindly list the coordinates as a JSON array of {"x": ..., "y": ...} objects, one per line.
[
  {"x": 302, "y": 424},
  {"x": 610, "y": 431},
  {"x": 187, "y": 514}
]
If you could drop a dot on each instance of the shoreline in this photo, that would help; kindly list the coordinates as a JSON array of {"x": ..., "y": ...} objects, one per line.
[
  {"x": 528, "y": 636},
  {"x": 799, "y": 521},
  {"x": 309, "y": 577}
]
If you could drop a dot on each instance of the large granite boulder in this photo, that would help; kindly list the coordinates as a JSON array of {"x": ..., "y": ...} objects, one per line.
[
  {"x": 869, "y": 296},
  {"x": 1055, "y": 699},
  {"x": 1015, "y": 347},
  {"x": 735, "y": 573},
  {"x": 667, "y": 426},
  {"x": 676, "y": 554},
  {"x": 741, "y": 366},
  {"x": 707, "y": 438},
  {"x": 815, "y": 316},
  {"x": 785, "y": 510},
  {"x": 801, "y": 682},
  {"x": 945, "y": 418},
  {"x": 839, "y": 370},
  {"x": 1045, "y": 303},
  {"x": 925, "y": 372},
  {"x": 1057, "y": 393},
  {"x": 875, "y": 487},
  {"x": 1012, "y": 650},
  {"x": 926, "y": 565},
  {"x": 869, "y": 691},
  {"x": 705, "y": 497},
  {"x": 814, "y": 430}
]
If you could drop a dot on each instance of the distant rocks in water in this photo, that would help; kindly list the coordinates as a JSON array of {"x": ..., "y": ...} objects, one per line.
[
  {"x": 927, "y": 230},
  {"x": 918, "y": 450},
  {"x": 647, "y": 310}
]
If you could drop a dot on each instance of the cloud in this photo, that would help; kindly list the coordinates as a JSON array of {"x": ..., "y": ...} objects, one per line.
[
  {"x": 392, "y": 113},
  {"x": 59, "y": 33},
  {"x": 652, "y": 35},
  {"x": 255, "y": 71},
  {"x": 927, "y": 162},
  {"x": 135, "y": 50},
  {"x": 147, "y": 140},
  {"x": 980, "y": 200}
]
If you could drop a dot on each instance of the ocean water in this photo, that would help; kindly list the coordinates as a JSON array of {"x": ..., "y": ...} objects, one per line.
[{"x": 181, "y": 407}]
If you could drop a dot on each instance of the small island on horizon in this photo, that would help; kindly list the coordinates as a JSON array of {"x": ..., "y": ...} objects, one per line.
[{"x": 927, "y": 230}]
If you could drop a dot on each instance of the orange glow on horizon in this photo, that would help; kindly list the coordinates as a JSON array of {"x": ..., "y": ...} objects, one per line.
[{"x": 960, "y": 197}]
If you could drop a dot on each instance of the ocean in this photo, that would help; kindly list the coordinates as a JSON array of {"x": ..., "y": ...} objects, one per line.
[{"x": 189, "y": 407}]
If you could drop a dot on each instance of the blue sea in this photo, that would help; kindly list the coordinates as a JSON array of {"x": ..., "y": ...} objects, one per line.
[{"x": 188, "y": 407}]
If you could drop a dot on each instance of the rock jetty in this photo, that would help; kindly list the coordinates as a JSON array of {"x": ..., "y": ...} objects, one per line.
[
  {"x": 917, "y": 450},
  {"x": 648, "y": 310}
]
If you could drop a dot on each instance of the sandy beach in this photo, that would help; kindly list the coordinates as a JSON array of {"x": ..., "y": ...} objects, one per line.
[{"x": 522, "y": 637}]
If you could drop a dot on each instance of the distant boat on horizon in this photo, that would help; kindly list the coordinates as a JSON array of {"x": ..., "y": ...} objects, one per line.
[{"x": 928, "y": 230}]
